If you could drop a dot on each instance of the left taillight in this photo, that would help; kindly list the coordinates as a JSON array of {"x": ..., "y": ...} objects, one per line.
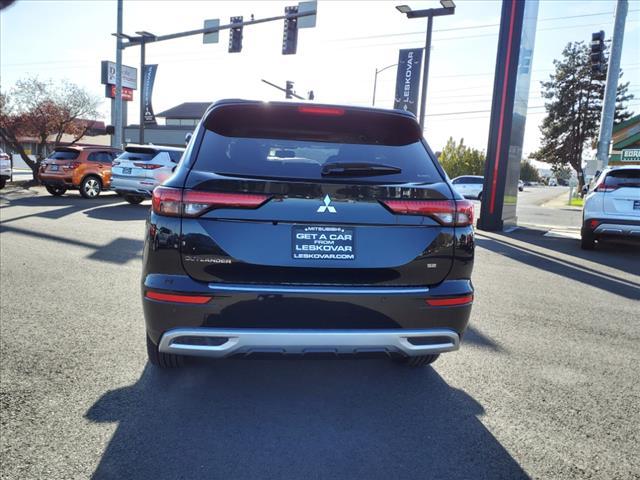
[
  {"x": 446, "y": 212},
  {"x": 192, "y": 203}
]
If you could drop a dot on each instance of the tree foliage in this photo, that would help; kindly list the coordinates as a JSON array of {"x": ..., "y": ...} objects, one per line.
[
  {"x": 45, "y": 111},
  {"x": 574, "y": 103},
  {"x": 528, "y": 173},
  {"x": 458, "y": 159}
]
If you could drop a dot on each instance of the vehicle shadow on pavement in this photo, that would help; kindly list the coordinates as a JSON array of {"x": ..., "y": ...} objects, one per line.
[
  {"x": 120, "y": 212},
  {"x": 297, "y": 418},
  {"x": 617, "y": 256}
]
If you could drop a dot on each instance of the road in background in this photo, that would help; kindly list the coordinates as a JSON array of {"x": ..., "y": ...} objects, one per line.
[{"x": 545, "y": 384}]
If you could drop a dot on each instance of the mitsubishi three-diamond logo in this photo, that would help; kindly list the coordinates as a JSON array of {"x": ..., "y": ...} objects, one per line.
[{"x": 326, "y": 207}]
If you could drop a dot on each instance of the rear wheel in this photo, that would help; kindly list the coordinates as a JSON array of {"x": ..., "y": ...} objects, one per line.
[
  {"x": 90, "y": 187},
  {"x": 55, "y": 191},
  {"x": 587, "y": 241},
  {"x": 419, "y": 361},
  {"x": 133, "y": 199},
  {"x": 162, "y": 360}
]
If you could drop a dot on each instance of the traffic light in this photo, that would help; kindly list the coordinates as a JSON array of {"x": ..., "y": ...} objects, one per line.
[
  {"x": 598, "y": 61},
  {"x": 289, "y": 89},
  {"x": 235, "y": 36},
  {"x": 290, "y": 36}
]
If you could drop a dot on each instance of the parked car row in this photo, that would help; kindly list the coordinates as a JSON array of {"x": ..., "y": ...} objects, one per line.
[{"x": 138, "y": 170}]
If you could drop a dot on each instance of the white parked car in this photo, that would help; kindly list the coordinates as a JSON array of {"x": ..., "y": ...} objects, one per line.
[
  {"x": 520, "y": 185},
  {"x": 469, "y": 186},
  {"x": 612, "y": 208},
  {"x": 141, "y": 168},
  {"x": 5, "y": 168}
]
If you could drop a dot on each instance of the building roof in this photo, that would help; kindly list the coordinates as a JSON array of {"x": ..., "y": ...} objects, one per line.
[
  {"x": 187, "y": 110},
  {"x": 626, "y": 123}
]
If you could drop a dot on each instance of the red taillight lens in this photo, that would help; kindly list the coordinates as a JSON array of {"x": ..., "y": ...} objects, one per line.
[
  {"x": 450, "y": 302},
  {"x": 445, "y": 212},
  {"x": 72, "y": 165},
  {"x": 147, "y": 166},
  {"x": 192, "y": 203},
  {"x": 171, "y": 297},
  {"x": 605, "y": 188},
  {"x": 593, "y": 224},
  {"x": 167, "y": 201},
  {"x": 331, "y": 111}
]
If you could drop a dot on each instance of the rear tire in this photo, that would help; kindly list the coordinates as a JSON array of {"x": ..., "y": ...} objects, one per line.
[
  {"x": 3, "y": 182},
  {"x": 162, "y": 360},
  {"x": 419, "y": 361},
  {"x": 91, "y": 187},
  {"x": 587, "y": 241},
  {"x": 55, "y": 191},
  {"x": 133, "y": 200}
]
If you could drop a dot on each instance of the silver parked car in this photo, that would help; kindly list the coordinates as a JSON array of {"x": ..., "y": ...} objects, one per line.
[
  {"x": 469, "y": 186},
  {"x": 141, "y": 168}
]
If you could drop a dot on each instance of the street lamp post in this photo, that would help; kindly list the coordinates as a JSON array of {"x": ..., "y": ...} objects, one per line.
[
  {"x": 375, "y": 81},
  {"x": 143, "y": 36},
  {"x": 448, "y": 8}
]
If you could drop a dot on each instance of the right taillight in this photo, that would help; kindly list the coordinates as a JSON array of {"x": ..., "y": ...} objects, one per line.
[
  {"x": 191, "y": 203},
  {"x": 603, "y": 187},
  {"x": 457, "y": 213}
]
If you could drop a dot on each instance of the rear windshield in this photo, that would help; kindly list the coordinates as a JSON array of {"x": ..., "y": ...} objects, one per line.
[
  {"x": 624, "y": 178},
  {"x": 294, "y": 141},
  {"x": 299, "y": 159},
  {"x": 138, "y": 155},
  {"x": 64, "y": 155}
]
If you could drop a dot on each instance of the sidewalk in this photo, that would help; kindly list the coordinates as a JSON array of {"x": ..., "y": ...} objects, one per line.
[{"x": 561, "y": 201}]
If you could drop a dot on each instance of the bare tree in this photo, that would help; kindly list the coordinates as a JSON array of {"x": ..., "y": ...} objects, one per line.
[{"x": 45, "y": 111}]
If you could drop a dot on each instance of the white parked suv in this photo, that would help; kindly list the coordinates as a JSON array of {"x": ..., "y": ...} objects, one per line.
[
  {"x": 141, "y": 168},
  {"x": 469, "y": 186},
  {"x": 612, "y": 208},
  {"x": 5, "y": 168}
]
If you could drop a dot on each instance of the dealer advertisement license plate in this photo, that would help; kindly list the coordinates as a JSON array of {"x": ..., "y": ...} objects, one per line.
[
  {"x": 53, "y": 168},
  {"x": 126, "y": 171},
  {"x": 313, "y": 242},
  {"x": 636, "y": 204}
]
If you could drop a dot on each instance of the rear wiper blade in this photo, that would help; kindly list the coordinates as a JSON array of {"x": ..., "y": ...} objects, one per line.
[{"x": 339, "y": 169}]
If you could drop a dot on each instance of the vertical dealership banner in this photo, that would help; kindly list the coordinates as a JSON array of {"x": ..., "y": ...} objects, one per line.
[
  {"x": 508, "y": 114},
  {"x": 408, "y": 80},
  {"x": 149, "y": 77}
]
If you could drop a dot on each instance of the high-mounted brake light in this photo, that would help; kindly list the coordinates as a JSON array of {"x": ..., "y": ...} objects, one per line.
[
  {"x": 192, "y": 203},
  {"x": 457, "y": 213},
  {"x": 171, "y": 297},
  {"x": 450, "y": 302},
  {"x": 331, "y": 111}
]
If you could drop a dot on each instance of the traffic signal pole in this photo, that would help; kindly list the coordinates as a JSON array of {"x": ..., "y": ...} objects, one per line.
[{"x": 611, "y": 87}]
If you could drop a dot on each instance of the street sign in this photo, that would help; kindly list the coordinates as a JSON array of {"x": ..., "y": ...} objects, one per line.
[
  {"x": 129, "y": 75},
  {"x": 211, "y": 37},
  {"x": 310, "y": 21},
  {"x": 630, "y": 155}
]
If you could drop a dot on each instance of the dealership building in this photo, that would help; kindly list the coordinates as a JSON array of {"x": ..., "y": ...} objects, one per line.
[{"x": 178, "y": 122}]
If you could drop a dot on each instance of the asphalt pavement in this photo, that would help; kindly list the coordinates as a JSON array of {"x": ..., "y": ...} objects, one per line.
[{"x": 544, "y": 386}]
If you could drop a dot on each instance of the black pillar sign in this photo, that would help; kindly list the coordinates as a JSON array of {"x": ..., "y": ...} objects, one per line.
[
  {"x": 148, "y": 77},
  {"x": 408, "y": 80}
]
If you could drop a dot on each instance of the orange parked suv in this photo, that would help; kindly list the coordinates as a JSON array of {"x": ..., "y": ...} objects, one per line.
[{"x": 85, "y": 168}]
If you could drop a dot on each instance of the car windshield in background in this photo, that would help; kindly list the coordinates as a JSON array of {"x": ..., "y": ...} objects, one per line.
[
  {"x": 64, "y": 155},
  {"x": 304, "y": 160},
  {"x": 624, "y": 178}
]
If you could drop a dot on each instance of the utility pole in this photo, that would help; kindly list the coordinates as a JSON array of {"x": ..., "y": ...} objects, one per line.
[
  {"x": 117, "y": 138},
  {"x": 611, "y": 87}
]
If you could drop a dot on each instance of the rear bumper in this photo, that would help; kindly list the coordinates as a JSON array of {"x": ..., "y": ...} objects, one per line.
[
  {"x": 220, "y": 343},
  {"x": 57, "y": 180},
  {"x": 125, "y": 184},
  {"x": 327, "y": 313},
  {"x": 613, "y": 227}
]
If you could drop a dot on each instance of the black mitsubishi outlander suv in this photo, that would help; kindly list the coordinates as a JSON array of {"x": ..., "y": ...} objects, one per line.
[{"x": 297, "y": 228}]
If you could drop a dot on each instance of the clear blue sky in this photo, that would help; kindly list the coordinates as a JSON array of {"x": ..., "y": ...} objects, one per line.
[{"x": 68, "y": 39}]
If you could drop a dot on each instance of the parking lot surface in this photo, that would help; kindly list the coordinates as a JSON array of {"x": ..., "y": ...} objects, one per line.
[{"x": 544, "y": 386}]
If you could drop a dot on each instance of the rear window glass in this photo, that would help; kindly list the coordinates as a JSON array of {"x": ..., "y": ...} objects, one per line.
[
  {"x": 64, "y": 155},
  {"x": 624, "y": 178},
  {"x": 279, "y": 158},
  {"x": 138, "y": 155}
]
